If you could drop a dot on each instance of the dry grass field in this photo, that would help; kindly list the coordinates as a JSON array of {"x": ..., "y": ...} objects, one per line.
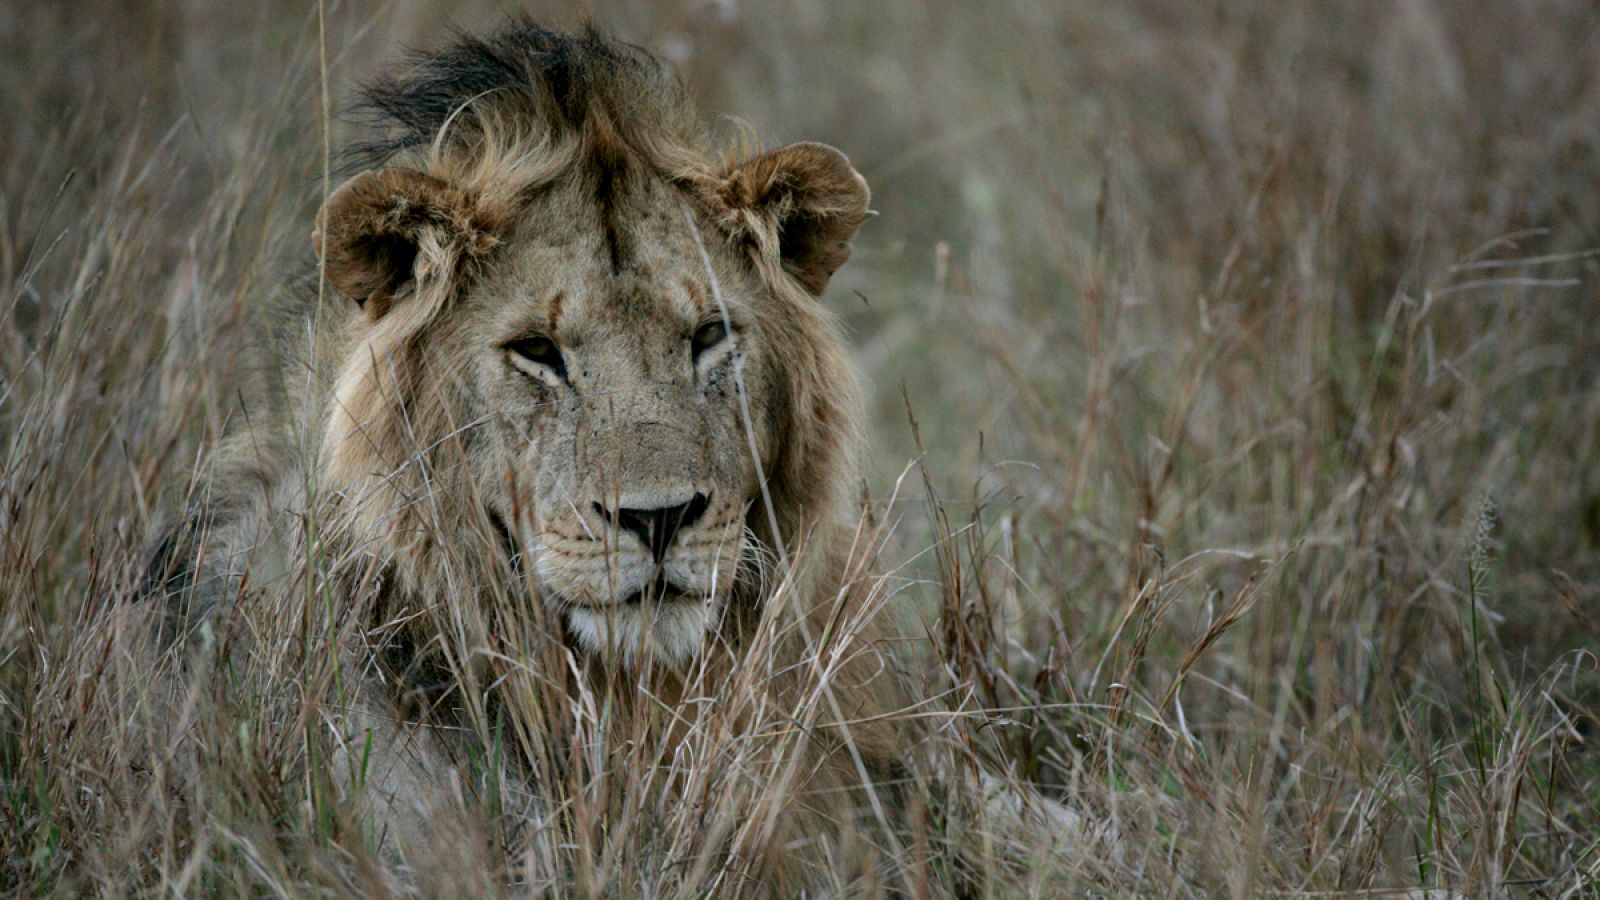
[{"x": 1234, "y": 372}]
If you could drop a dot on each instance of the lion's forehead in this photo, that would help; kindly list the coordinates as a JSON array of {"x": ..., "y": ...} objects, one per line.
[
  {"x": 559, "y": 279},
  {"x": 571, "y": 301}
]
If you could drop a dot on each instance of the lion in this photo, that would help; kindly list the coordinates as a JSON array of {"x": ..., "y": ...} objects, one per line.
[{"x": 570, "y": 420}]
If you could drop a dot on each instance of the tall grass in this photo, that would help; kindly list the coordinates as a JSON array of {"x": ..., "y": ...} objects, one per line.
[{"x": 1236, "y": 384}]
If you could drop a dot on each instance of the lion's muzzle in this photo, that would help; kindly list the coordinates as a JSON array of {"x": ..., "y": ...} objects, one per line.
[
  {"x": 658, "y": 526},
  {"x": 642, "y": 577}
]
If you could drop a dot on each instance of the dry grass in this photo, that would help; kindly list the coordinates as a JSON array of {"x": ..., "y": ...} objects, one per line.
[{"x": 1248, "y": 354}]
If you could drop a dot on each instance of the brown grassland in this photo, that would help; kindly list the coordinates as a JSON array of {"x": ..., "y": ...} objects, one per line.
[{"x": 1234, "y": 374}]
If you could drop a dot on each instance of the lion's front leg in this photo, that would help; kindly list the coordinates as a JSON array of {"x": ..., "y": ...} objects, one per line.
[{"x": 421, "y": 799}]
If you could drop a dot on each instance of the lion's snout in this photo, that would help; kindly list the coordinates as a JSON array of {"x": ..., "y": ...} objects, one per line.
[
  {"x": 656, "y": 527},
  {"x": 615, "y": 556},
  {"x": 649, "y": 579}
]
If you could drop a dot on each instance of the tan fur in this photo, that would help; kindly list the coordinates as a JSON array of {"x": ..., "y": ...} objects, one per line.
[{"x": 616, "y": 239}]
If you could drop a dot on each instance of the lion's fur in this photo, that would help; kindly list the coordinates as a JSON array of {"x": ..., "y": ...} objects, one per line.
[{"x": 428, "y": 564}]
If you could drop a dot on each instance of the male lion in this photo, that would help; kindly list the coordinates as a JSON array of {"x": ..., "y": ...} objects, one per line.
[{"x": 576, "y": 427}]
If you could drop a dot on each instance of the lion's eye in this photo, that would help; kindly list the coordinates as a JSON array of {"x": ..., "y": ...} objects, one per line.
[
  {"x": 541, "y": 350},
  {"x": 709, "y": 335}
]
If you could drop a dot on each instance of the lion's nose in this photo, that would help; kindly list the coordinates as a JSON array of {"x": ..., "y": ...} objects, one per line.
[{"x": 657, "y": 527}]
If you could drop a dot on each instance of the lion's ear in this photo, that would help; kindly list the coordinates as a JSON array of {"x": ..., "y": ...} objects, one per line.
[
  {"x": 806, "y": 196},
  {"x": 380, "y": 230}
]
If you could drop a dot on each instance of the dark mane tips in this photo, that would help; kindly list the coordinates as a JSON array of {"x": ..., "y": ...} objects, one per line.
[{"x": 554, "y": 82}]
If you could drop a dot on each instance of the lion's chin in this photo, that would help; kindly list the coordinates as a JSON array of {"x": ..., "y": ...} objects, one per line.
[{"x": 671, "y": 632}]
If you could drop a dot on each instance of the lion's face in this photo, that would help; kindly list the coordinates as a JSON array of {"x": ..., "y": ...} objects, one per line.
[
  {"x": 611, "y": 348},
  {"x": 610, "y": 379}
]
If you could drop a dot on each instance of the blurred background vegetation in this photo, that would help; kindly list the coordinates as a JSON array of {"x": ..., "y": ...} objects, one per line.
[{"x": 1244, "y": 357}]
